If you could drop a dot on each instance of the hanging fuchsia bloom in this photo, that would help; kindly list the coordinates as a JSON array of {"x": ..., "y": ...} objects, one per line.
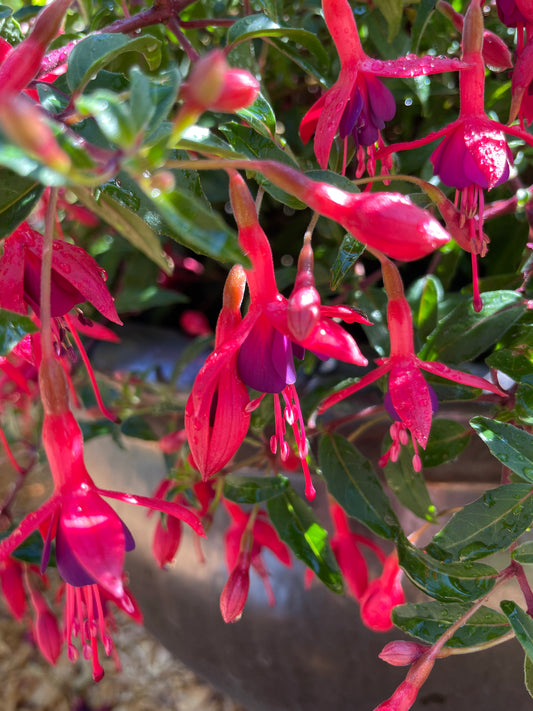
[
  {"x": 382, "y": 595},
  {"x": 216, "y": 414},
  {"x": 522, "y": 83},
  {"x": 244, "y": 540},
  {"x": 273, "y": 333},
  {"x": 473, "y": 155},
  {"x": 76, "y": 276},
  {"x": 359, "y": 104},
  {"x": 91, "y": 539},
  {"x": 409, "y": 399}
]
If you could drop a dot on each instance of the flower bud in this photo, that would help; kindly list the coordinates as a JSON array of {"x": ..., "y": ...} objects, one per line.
[
  {"x": 522, "y": 80},
  {"x": 24, "y": 61},
  {"x": 303, "y": 308},
  {"x": 13, "y": 587},
  {"x": 166, "y": 541},
  {"x": 235, "y": 592},
  {"x": 47, "y": 633},
  {"x": 240, "y": 89},
  {"x": 400, "y": 653},
  {"x": 24, "y": 124},
  {"x": 473, "y": 29}
]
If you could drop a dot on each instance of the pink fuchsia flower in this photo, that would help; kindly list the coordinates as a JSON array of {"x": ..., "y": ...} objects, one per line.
[
  {"x": 273, "y": 332},
  {"x": 473, "y": 155},
  {"x": 358, "y": 104},
  {"x": 514, "y": 13},
  {"x": 409, "y": 399},
  {"x": 522, "y": 85},
  {"x": 91, "y": 539},
  {"x": 76, "y": 276},
  {"x": 245, "y": 538},
  {"x": 216, "y": 413}
]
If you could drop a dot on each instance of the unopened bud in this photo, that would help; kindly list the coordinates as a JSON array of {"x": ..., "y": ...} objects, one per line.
[
  {"x": 206, "y": 81},
  {"x": 235, "y": 593},
  {"x": 402, "y": 652},
  {"x": 240, "y": 90},
  {"x": 473, "y": 28},
  {"x": 166, "y": 541},
  {"x": 24, "y": 124},
  {"x": 13, "y": 587}
]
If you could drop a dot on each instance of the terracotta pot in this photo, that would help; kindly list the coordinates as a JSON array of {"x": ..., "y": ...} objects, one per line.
[{"x": 308, "y": 653}]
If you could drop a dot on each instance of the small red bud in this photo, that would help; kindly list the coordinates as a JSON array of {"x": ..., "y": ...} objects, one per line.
[
  {"x": 13, "y": 587},
  {"x": 240, "y": 89},
  {"x": 235, "y": 592},
  {"x": 402, "y": 652},
  {"x": 167, "y": 537}
]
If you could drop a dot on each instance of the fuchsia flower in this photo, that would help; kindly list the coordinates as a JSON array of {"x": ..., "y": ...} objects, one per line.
[
  {"x": 276, "y": 329},
  {"x": 359, "y": 104},
  {"x": 514, "y": 12},
  {"x": 244, "y": 540},
  {"x": 409, "y": 399},
  {"x": 473, "y": 155},
  {"x": 76, "y": 276},
  {"x": 91, "y": 539}
]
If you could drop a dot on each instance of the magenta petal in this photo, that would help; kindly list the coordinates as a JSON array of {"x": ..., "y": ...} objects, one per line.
[
  {"x": 265, "y": 362},
  {"x": 94, "y": 533},
  {"x": 310, "y": 120},
  {"x": 70, "y": 570},
  {"x": 380, "y": 99}
]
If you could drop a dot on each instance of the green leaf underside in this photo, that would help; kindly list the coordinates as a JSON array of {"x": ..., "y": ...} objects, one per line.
[
  {"x": 429, "y": 620},
  {"x": 354, "y": 484},
  {"x": 447, "y": 582},
  {"x": 299, "y": 528},
  {"x": 487, "y": 525},
  {"x": 511, "y": 445},
  {"x": 252, "y": 489},
  {"x": 18, "y": 197},
  {"x": 522, "y": 625}
]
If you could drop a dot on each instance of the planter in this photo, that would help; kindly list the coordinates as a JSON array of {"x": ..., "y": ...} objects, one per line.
[{"x": 308, "y": 653}]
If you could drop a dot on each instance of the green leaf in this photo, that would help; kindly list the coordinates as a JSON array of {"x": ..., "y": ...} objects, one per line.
[
  {"x": 257, "y": 26},
  {"x": 464, "y": 334},
  {"x": 353, "y": 482},
  {"x": 13, "y": 328},
  {"x": 429, "y": 620},
  {"x": 253, "y": 489},
  {"x": 425, "y": 295},
  {"x": 94, "y": 52},
  {"x": 112, "y": 115},
  {"x": 138, "y": 427},
  {"x": 129, "y": 224},
  {"x": 487, "y": 525},
  {"x": 447, "y": 582},
  {"x": 516, "y": 362},
  {"x": 392, "y": 11},
  {"x": 260, "y": 116},
  {"x": 512, "y": 446},
  {"x": 528, "y": 675},
  {"x": 523, "y": 554},
  {"x": 423, "y": 14},
  {"x": 199, "y": 138},
  {"x": 193, "y": 223},
  {"x": 349, "y": 252},
  {"x": 18, "y": 197},
  {"x": 409, "y": 486},
  {"x": 524, "y": 403},
  {"x": 299, "y": 528},
  {"x": 447, "y": 439},
  {"x": 521, "y": 623}
]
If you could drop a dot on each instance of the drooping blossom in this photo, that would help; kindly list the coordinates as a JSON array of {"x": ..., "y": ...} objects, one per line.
[
  {"x": 216, "y": 414},
  {"x": 359, "y": 104},
  {"x": 91, "y": 539},
  {"x": 473, "y": 155},
  {"x": 245, "y": 538},
  {"x": 409, "y": 399},
  {"x": 272, "y": 334}
]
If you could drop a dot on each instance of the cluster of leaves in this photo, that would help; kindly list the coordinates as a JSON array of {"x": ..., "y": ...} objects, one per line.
[{"x": 119, "y": 93}]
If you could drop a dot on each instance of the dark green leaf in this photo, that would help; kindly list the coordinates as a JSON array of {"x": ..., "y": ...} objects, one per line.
[
  {"x": 528, "y": 675},
  {"x": 464, "y": 334},
  {"x": 349, "y": 252},
  {"x": 392, "y": 11},
  {"x": 353, "y": 482},
  {"x": 425, "y": 295},
  {"x": 96, "y": 51},
  {"x": 256, "y": 26},
  {"x": 260, "y": 116},
  {"x": 253, "y": 489},
  {"x": 13, "y": 328},
  {"x": 447, "y": 582},
  {"x": 429, "y": 620},
  {"x": 112, "y": 115},
  {"x": 201, "y": 139},
  {"x": 31, "y": 550},
  {"x": 516, "y": 362},
  {"x": 522, "y": 625},
  {"x": 18, "y": 197},
  {"x": 423, "y": 13},
  {"x": 524, "y": 403},
  {"x": 487, "y": 525},
  {"x": 512, "y": 446},
  {"x": 133, "y": 299},
  {"x": 137, "y": 426},
  {"x": 409, "y": 486},
  {"x": 299, "y": 528},
  {"x": 447, "y": 440},
  {"x": 128, "y": 223},
  {"x": 524, "y": 553}
]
